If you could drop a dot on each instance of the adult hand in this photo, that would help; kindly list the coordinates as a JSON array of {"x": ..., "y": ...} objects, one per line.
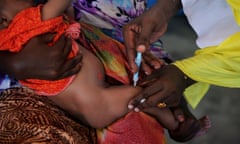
[
  {"x": 164, "y": 86},
  {"x": 146, "y": 29},
  {"x": 38, "y": 60}
]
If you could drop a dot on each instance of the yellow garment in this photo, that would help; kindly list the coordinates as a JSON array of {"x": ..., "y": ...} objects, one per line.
[
  {"x": 218, "y": 65},
  {"x": 235, "y": 5}
]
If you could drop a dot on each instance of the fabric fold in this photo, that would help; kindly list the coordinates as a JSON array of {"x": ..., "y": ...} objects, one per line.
[
  {"x": 235, "y": 5},
  {"x": 217, "y": 65}
]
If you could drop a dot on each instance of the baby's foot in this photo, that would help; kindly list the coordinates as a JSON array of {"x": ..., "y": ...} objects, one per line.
[
  {"x": 205, "y": 125},
  {"x": 190, "y": 128}
]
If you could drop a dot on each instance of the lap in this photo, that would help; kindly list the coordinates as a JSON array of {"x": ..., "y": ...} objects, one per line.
[{"x": 26, "y": 118}]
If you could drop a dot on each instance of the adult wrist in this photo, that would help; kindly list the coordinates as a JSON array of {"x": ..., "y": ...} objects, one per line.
[
  {"x": 169, "y": 7},
  {"x": 187, "y": 80}
]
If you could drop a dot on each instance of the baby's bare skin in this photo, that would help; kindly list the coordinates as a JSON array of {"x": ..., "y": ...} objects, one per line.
[{"x": 90, "y": 99}]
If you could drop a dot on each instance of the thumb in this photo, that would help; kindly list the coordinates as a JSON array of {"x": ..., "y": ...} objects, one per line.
[
  {"x": 143, "y": 41},
  {"x": 130, "y": 35},
  {"x": 46, "y": 38}
]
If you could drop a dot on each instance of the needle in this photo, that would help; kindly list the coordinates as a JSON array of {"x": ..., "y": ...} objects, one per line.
[{"x": 138, "y": 61}]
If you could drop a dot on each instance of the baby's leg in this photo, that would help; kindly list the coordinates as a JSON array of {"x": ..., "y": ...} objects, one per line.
[{"x": 190, "y": 126}]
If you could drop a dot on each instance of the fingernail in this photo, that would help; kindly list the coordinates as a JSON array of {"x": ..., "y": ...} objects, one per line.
[
  {"x": 156, "y": 67},
  {"x": 136, "y": 110},
  {"x": 132, "y": 70},
  {"x": 142, "y": 100},
  {"x": 130, "y": 107},
  {"x": 147, "y": 73},
  {"x": 141, "y": 48}
]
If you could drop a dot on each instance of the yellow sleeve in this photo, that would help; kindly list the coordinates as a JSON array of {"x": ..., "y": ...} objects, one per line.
[
  {"x": 235, "y": 5},
  {"x": 218, "y": 65}
]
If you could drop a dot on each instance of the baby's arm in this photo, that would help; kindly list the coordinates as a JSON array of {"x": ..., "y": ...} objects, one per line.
[
  {"x": 94, "y": 106},
  {"x": 89, "y": 99},
  {"x": 54, "y": 8},
  {"x": 164, "y": 116}
]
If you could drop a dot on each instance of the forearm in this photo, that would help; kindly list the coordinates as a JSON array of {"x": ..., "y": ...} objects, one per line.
[
  {"x": 99, "y": 107},
  {"x": 54, "y": 8},
  {"x": 111, "y": 105},
  {"x": 117, "y": 99}
]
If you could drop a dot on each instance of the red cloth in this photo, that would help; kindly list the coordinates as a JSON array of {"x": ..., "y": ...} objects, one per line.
[
  {"x": 134, "y": 128},
  {"x": 25, "y": 26}
]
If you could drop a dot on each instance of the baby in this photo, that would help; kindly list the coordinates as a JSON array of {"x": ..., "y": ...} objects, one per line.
[{"x": 96, "y": 95}]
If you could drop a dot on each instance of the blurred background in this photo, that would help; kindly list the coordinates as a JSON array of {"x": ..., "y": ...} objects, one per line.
[{"x": 222, "y": 105}]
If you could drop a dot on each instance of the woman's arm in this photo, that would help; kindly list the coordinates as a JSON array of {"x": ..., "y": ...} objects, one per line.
[{"x": 54, "y": 8}]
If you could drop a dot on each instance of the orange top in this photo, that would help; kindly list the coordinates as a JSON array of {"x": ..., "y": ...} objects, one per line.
[{"x": 28, "y": 24}]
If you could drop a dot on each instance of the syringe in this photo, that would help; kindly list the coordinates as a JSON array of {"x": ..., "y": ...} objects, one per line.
[{"x": 138, "y": 61}]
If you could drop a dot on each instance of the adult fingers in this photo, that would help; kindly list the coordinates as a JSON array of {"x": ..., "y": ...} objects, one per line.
[
  {"x": 150, "y": 79},
  {"x": 47, "y": 38},
  {"x": 160, "y": 99},
  {"x": 151, "y": 62},
  {"x": 143, "y": 41},
  {"x": 146, "y": 68},
  {"x": 159, "y": 31},
  {"x": 67, "y": 47},
  {"x": 64, "y": 66},
  {"x": 152, "y": 101},
  {"x": 147, "y": 92},
  {"x": 71, "y": 66},
  {"x": 72, "y": 71},
  {"x": 130, "y": 34}
]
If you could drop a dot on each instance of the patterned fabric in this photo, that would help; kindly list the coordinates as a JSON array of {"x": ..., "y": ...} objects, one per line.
[
  {"x": 28, "y": 118},
  {"x": 28, "y": 24},
  {"x": 109, "y": 51},
  {"x": 111, "y": 15},
  {"x": 115, "y": 12}
]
